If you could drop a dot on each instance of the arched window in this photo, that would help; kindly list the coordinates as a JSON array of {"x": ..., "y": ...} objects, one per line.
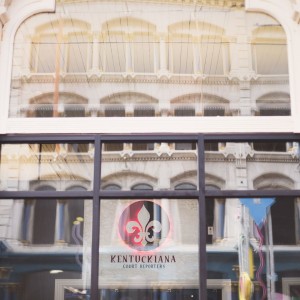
[
  {"x": 112, "y": 187},
  {"x": 185, "y": 186},
  {"x": 274, "y": 104},
  {"x": 142, "y": 186},
  {"x": 270, "y": 48},
  {"x": 60, "y": 46},
  {"x": 197, "y": 48},
  {"x": 284, "y": 218},
  {"x": 69, "y": 105},
  {"x": 129, "y": 46}
]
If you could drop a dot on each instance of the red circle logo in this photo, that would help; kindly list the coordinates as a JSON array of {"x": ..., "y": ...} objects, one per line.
[{"x": 144, "y": 225}]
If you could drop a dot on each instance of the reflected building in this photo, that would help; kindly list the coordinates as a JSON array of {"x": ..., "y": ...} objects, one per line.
[{"x": 142, "y": 153}]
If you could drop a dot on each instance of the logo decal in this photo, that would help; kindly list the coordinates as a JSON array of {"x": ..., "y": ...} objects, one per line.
[{"x": 144, "y": 225}]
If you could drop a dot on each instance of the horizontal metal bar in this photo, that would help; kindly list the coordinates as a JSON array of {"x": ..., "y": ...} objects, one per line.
[
  {"x": 46, "y": 138},
  {"x": 89, "y": 138},
  {"x": 175, "y": 194},
  {"x": 251, "y": 193},
  {"x": 151, "y": 138},
  {"x": 248, "y": 137},
  {"x": 46, "y": 194}
]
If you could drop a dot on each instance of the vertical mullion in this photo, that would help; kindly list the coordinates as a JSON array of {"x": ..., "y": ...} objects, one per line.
[
  {"x": 202, "y": 220},
  {"x": 96, "y": 220}
]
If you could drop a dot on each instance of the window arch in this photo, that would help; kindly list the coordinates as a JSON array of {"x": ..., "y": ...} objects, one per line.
[
  {"x": 201, "y": 104},
  {"x": 269, "y": 48},
  {"x": 274, "y": 104},
  {"x": 200, "y": 47},
  {"x": 61, "y": 44},
  {"x": 112, "y": 187},
  {"x": 132, "y": 41},
  {"x": 185, "y": 186},
  {"x": 69, "y": 105},
  {"x": 142, "y": 186}
]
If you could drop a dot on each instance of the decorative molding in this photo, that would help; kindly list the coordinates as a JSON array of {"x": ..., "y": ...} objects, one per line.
[
  {"x": 222, "y": 3},
  {"x": 296, "y": 14}
]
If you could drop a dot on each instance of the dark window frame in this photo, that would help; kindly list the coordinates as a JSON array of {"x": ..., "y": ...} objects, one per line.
[{"x": 96, "y": 194}]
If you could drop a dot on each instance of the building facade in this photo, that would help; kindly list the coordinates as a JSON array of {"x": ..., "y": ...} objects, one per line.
[{"x": 149, "y": 149}]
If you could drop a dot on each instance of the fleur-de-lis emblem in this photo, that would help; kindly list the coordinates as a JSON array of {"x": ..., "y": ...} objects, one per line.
[{"x": 144, "y": 227}]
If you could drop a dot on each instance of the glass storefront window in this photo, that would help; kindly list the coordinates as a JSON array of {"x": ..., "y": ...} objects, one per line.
[
  {"x": 163, "y": 245},
  {"x": 77, "y": 66},
  {"x": 259, "y": 250},
  {"x": 44, "y": 248},
  {"x": 29, "y": 167},
  {"x": 259, "y": 165},
  {"x": 144, "y": 166},
  {"x": 148, "y": 248}
]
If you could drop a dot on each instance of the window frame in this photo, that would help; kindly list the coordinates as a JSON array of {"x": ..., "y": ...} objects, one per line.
[{"x": 97, "y": 194}]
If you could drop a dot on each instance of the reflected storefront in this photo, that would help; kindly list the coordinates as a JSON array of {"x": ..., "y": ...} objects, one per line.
[{"x": 149, "y": 224}]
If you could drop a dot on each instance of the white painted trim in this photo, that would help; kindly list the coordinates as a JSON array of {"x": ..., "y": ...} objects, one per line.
[
  {"x": 287, "y": 282},
  {"x": 17, "y": 13},
  {"x": 283, "y": 12},
  {"x": 155, "y": 125}
]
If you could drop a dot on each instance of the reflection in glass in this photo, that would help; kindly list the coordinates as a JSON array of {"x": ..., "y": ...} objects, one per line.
[
  {"x": 148, "y": 246},
  {"x": 157, "y": 166},
  {"x": 52, "y": 255},
  {"x": 63, "y": 52},
  {"x": 59, "y": 166},
  {"x": 259, "y": 165},
  {"x": 260, "y": 245}
]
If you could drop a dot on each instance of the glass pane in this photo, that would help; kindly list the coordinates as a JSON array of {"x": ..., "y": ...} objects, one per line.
[
  {"x": 58, "y": 166},
  {"x": 148, "y": 248},
  {"x": 133, "y": 54},
  {"x": 78, "y": 50},
  {"x": 257, "y": 165},
  {"x": 255, "y": 243},
  {"x": 45, "y": 249},
  {"x": 159, "y": 166}
]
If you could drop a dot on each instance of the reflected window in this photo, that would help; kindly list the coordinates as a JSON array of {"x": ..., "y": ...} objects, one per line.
[
  {"x": 44, "y": 222},
  {"x": 43, "y": 52},
  {"x": 211, "y": 146},
  {"x": 144, "y": 111},
  {"x": 44, "y": 111},
  {"x": 143, "y": 146},
  {"x": 115, "y": 50},
  {"x": 111, "y": 147},
  {"x": 284, "y": 221},
  {"x": 73, "y": 110},
  {"x": 270, "y": 147},
  {"x": 77, "y": 53},
  {"x": 185, "y": 186},
  {"x": 184, "y": 111},
  {"x": 114, "y": 110},
  {"x": 142, "y": 186},
  {"x": 144, "y": 51},
  {"x": 185, "y": 146},
  {"x": 78, "y": 148},
  {"x": 214, "y": 111},
  {"x": 112, "y": 187},
  {"x": 38, "y": 225},
  {"x": 274, "y": 112}
]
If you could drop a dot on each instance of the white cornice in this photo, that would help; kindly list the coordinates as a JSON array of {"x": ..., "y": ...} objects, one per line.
[{"x": 226, "y": 3}]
